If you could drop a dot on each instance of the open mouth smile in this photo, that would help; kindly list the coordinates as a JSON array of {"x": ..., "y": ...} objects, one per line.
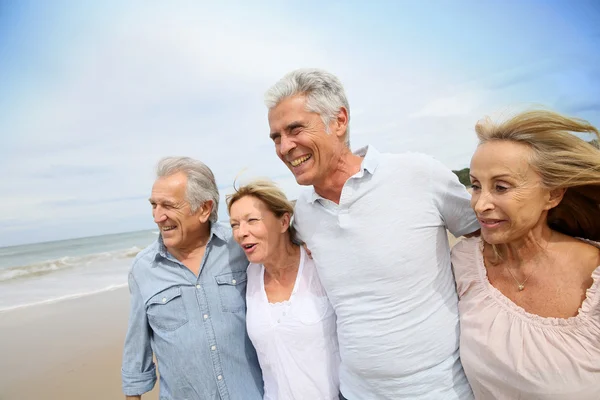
[
  {"x": 490, "y": 223},
  {"x": 249, "y": 248},
  {"x": 300, "y": 160}
]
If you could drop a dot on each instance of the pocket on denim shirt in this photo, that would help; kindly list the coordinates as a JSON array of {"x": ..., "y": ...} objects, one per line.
[
  {"x": 166, "y": 310},
  {"x": 232, "y": 291}
]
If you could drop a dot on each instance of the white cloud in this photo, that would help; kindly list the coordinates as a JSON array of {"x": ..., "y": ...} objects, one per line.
[{"x": 458, "y": 104}]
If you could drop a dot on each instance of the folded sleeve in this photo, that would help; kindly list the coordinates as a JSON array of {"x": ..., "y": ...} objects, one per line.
[{"x": 138, "y": 371}]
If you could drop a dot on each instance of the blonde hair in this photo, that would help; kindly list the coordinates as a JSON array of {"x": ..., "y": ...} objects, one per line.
[
  {"x": 563, "y": 161},
  {"x": 271, "y": 195}
]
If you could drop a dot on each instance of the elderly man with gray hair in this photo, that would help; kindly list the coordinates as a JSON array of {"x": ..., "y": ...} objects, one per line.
[
  {"x": 188, "y": 297},
  {"x": 376, "y": 226}
]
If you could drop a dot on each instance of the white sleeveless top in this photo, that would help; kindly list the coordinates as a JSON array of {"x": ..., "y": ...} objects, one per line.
[{"x": 295, "y": 340}]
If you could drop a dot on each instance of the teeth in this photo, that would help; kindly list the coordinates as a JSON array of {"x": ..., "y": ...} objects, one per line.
[
  {"x": 299, "y": 161},
  {"x": 167, "y": 228}
]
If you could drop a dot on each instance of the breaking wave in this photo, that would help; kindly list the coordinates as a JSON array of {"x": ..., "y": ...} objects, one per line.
[{"x": 47, "y": 267}]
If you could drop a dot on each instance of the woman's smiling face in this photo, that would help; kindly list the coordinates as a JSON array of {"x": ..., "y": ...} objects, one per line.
[
  {"x": 508, "y": 196},
  {"x": 256, "y": 229}
]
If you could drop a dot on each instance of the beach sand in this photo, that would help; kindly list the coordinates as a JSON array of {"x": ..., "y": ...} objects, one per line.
[{"x": 65, "y": 350}]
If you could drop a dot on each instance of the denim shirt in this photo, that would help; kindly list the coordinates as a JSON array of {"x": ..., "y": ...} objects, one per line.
[{"x": 194, "y": 325}]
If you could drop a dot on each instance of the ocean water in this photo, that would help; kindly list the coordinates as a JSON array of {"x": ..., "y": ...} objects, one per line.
[{"x": 46, "y": 272}]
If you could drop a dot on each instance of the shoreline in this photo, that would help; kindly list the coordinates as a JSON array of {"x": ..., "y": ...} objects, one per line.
[{"x": 63, "y": 298}]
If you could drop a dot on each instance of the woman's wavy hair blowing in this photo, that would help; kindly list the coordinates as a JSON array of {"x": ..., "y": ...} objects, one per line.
[
  {"x": 563, "y": 160},
  {"x": 271, "y": 195}
]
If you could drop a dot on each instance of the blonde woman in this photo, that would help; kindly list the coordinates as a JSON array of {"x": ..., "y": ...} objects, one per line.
[
  {"x": 289, "y": 319},
  {"x": 529, "y": 287}
]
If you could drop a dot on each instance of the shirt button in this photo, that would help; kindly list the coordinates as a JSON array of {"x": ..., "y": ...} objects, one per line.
[
  {"x": 234, "y": 281},
  {"x": 164, "y": 300},
  {"x": 197, "y": 286},
  {"x": 205, "y": 316},
  {"x": 220, "y": 377},
  {"x": 213, "y": 348}
]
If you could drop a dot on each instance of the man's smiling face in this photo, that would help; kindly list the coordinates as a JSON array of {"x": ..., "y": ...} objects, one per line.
[
  {"x": 172, "y": 213},
  {"x": 301, "y": 140}
]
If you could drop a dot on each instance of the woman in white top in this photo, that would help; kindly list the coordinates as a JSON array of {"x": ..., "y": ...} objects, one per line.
[{"x": 290, "y": 321}]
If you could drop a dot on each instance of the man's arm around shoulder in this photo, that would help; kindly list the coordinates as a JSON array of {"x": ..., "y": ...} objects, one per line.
[{"x": 453, "y": 202}]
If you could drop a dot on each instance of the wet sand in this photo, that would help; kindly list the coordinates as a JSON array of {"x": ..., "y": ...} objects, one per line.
[{"x": 65, "y": 350}]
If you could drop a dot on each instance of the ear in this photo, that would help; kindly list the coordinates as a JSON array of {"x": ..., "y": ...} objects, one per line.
[
  {"x": 340, "y": 123},
  {"x": 204, "y": 211},
  {"x": 285, "y": 222},
  {"x": 556, "y": 196}
]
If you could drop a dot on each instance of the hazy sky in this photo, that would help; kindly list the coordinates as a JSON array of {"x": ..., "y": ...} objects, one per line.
[{"x": 92, "y": 94}]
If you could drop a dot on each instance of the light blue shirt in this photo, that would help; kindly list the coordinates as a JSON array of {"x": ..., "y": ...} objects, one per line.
[
  {"x": 383, "y": 257},
  {"x": 195, "y": 326}
]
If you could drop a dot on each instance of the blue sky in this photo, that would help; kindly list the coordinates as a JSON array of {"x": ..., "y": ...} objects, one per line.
[{"x": 92, "y": 94}]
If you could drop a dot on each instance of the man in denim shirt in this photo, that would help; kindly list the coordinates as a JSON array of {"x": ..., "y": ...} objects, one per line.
[{"x": 188, "y": 297}]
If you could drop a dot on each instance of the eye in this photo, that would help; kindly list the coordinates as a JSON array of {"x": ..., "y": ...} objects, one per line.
[
  {"x": 234, "y": 225},
  {"x": 296, "y": 130},
  {"x": 475, "y": 186},
  {"x": 252, "y": 220},
  {"x": 153, "y": 205},
  {"x": 501, "y": 189}
]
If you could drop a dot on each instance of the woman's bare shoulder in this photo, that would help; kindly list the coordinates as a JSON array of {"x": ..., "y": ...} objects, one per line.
[{"x": 582, "y": 252}]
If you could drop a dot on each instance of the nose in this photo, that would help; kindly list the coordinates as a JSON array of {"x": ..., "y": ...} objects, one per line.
[
  {"x": 482, "y": 202},
  {"x": 159, "y": 215},
  {"x": 239, "y": 233},
  {"x": 242, "y": 230},
  {"x": 286, "y": 145}
]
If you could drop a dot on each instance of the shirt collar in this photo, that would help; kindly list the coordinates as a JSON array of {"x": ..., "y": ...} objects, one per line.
[
  {"x": 371, "y": 158},
  {"x": 216, "y": 229}
]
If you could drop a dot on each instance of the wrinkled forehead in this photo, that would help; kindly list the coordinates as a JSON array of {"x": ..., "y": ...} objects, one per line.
[
  {"x": 169, "y": 188},
  {"x": 503, "y": 158},
  {"x": 287, "y": 109},
  {"x": 248, "y": 206}
]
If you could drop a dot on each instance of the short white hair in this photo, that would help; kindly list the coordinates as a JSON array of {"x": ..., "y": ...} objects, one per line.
[
  {"x": 324, "y": 93},
  {"x": 201, "y": 184}
]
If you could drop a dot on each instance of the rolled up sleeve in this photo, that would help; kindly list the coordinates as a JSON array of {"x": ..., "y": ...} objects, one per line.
[{"x": 138, "y": 371}]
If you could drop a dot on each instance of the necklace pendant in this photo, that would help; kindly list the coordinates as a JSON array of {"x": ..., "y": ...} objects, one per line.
[{"x": 521, "y": 287}]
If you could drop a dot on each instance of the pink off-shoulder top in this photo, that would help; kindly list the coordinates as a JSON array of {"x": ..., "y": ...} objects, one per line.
[{"x": 508, "y": 353}]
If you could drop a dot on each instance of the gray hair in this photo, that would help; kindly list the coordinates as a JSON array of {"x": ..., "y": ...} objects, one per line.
[
  {"x": 324, "y": 94},
  {"x": 201, "y": 184}
]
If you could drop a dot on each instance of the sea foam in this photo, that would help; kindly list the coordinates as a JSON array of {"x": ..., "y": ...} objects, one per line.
[{"x": 46, "y": 267}]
